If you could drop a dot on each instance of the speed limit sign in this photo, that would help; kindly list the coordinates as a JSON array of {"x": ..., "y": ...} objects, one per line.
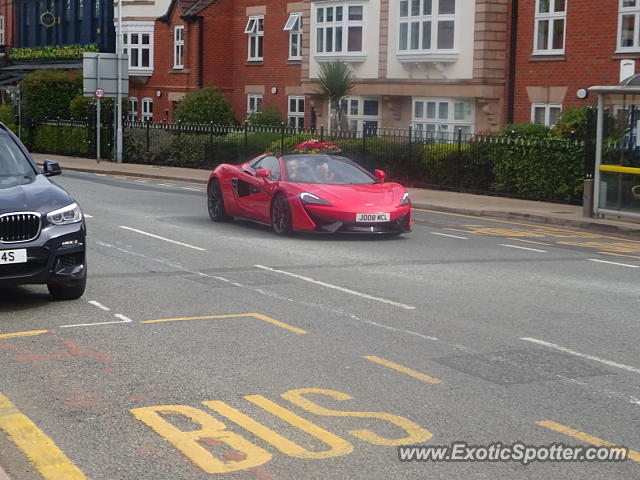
[{"x": 99, "y": 93}]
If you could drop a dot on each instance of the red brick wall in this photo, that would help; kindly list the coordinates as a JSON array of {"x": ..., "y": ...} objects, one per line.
[
  {"x": 7, "y": 8},
  {"x": 225, "y": 63},
  {"x": 589, "y": 59}
]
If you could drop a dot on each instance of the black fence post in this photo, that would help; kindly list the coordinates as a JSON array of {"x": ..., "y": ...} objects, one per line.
[
  {"x": 58, "y": 135},
  {"x": 364, "y": 145},
  {"x": 459, "y": 153},
  {"x": 282, "y": 138},
  {"x": 148, "y": 122},
  {"x": 322, "y": 133},
  {"x": 409, "y": 166},
  {"x": 246, "y": 140}
]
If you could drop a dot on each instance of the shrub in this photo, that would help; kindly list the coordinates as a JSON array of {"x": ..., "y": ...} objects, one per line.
[
  {"x": 82, "y": 107},
  {"x": 527, "y": 130},
  {"x": 572, "y": 124},
  {"x": 48, "y": 93},
  {"x": 205, "y": 105},
  {"x": 61, "y": 140},
  {"x": 290, "y": 141},
  {"x": 7, "y": 117},
  {"x": 269, "y": 116}
]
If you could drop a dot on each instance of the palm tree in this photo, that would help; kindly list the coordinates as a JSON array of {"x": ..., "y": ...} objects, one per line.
[{"x": 335, "y": 82}]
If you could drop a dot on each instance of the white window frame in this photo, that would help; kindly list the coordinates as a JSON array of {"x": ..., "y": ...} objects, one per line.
[
  {"x": 629, "y": 11},
  {"x": 294, "y": 27},
  {"x": 254, "y": 103},
  {"x": 2, "y": 39},
  {"x": 295, "y": 116},
  {"x": 255, "y": 38},
  {"x": 178, "y": 47},
  {"x": 327, "y": 19},
  {"x": 445, "y": 122},
  {"x": 147, "y": 109},
  {"x": 550, "y": 18},
  {"x": 419, "y": 20},
  {"x": 140, "y": 29},
  {"x": 547, "y": 112},
  {"x": 133, "y": 109}
]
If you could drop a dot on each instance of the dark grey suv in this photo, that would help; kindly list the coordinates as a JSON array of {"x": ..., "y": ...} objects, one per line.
[{"x": 42, "y": 229}]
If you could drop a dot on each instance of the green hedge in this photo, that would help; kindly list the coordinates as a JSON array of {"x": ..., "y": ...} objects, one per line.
[{"x": 60, "y": 140}]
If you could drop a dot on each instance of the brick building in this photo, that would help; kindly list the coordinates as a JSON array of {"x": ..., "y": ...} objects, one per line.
[
  {"x": 240, "y": 47},
  {"x": 7, "y": 24},
  {"x": 566, "y": 45}
]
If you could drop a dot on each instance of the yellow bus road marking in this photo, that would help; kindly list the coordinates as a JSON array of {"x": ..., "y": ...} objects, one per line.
[
  {"x": 459, "y": 230},
  {"x": 23, "y": 334},
  {"x": 619, "y": 255},
  {"x": 257, "y": 316},
  {"x": 585, "y": 437},
  {"x": 402, "y": 369},
  {"x": 528, "y": 241},
  {"x": 617, "y": 247},
  {"x": 549, "y": 230},
  {"x": 47, "y": 458}
]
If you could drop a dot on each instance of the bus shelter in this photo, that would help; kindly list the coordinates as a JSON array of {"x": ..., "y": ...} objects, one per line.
[{"x": 617, "y": 163}]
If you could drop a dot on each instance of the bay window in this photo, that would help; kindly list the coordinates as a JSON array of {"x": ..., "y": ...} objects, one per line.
[
  {"x": 426, "y": 25},
  {"x": 441, "y": 118},
  {"x": 339, "y": 29}
]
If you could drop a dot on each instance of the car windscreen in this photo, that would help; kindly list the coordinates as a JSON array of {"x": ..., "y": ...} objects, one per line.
[
  {"x": 325, "y": 169},
  {"x": 15, "y": 167}
]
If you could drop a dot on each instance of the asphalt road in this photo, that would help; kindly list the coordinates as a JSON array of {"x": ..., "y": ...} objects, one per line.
[{"x": 205, "y": 350}]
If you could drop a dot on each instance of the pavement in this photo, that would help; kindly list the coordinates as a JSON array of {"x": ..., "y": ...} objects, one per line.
[{"x": 438, "y": 200}]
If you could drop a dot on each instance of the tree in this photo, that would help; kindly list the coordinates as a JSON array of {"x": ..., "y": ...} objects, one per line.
[
  {"x": 205, "y": 105},
  {"x": 334, "y": 83}
]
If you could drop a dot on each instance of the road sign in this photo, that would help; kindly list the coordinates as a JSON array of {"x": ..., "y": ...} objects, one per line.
[
  {"x": 100, "y": 70},
  {"x": 99, "y": 93}
]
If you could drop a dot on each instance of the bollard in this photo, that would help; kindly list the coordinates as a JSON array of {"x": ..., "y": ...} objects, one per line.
[{"x": 587, "y": 198}]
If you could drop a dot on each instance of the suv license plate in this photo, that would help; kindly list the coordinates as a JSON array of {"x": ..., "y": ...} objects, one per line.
[
  {"x": 13, "y": 256},
  {"x": 372, "y": 217}
]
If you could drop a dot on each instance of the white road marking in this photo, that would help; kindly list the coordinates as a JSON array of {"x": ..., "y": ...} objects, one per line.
[
  {"x": 141, "y": 181},
  {"x": 523, "y": 248},
  {"x": 192, "y": 189},
  {"x": 165, "y": 185},
  {"x": 336, "y": 287},
  {"x": 87, "y": 215},
  {"x": 122, "y": 319},
  {"x": 99, "y": 305},
  {"x": 582, "y": 355},
  {"x": 613, "y": 263},
  {"x": 448, "y": 235},
  {"x": 162, "y": 238}
]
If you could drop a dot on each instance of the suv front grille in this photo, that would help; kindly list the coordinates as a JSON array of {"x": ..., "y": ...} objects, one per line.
[{"x": 19, "y": 227}]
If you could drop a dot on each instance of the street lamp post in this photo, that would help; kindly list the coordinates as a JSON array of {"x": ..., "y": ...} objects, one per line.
[{"x": 118, "y": 108}]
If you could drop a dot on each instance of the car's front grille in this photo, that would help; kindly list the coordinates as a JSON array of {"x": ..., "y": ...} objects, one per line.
[{"x": 19, "y": 227}]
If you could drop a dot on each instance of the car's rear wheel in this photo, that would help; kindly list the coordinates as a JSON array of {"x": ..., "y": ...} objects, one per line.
[
  {"x": 70, "y": 290},
  {"x": 215, "y": 202},
  {"x": 281, "y": 215}
]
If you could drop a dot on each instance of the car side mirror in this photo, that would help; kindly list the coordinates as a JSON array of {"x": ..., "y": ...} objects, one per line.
[
  {"x": 51, "y": 168},
  {"x": 380, "y": 175},
  {"x": 263, "y": 173}
]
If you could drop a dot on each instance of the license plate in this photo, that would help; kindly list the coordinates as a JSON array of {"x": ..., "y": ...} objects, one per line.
[
  {"x": 372, "y": 217},
  {"x": 13, "y": 256}
]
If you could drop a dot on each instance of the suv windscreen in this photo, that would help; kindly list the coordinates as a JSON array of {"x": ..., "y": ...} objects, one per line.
[{"x": 15, "y": 167}]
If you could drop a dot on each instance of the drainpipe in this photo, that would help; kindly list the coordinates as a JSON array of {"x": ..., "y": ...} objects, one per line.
[{"x": 511, "y": 87}]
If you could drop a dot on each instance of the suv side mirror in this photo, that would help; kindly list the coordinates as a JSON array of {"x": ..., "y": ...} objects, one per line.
[
  {"x": 51, "y": 168},
  {"x": 263, "y": 173}
]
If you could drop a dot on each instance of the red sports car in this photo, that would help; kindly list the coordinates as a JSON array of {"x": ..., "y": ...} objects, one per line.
[{"x": 309, "y": 193}]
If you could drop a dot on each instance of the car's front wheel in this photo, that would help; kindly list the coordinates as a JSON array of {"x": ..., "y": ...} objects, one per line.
[
  {"x": 70, "y": 290},
  {"x": 281, "y": 215},
  {"x": 215, "y": 202}
]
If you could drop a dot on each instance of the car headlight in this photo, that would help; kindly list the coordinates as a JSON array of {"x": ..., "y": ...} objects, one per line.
[
  {"x": 405, "y": 199},
  {"x": 65, "y": 215},
  {"x": 311, "y": 199}
]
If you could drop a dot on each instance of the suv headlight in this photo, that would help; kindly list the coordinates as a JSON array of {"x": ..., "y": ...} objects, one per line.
[
  {"x": 405, "y": 199},
  {"x": 65, "y": 215}
]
